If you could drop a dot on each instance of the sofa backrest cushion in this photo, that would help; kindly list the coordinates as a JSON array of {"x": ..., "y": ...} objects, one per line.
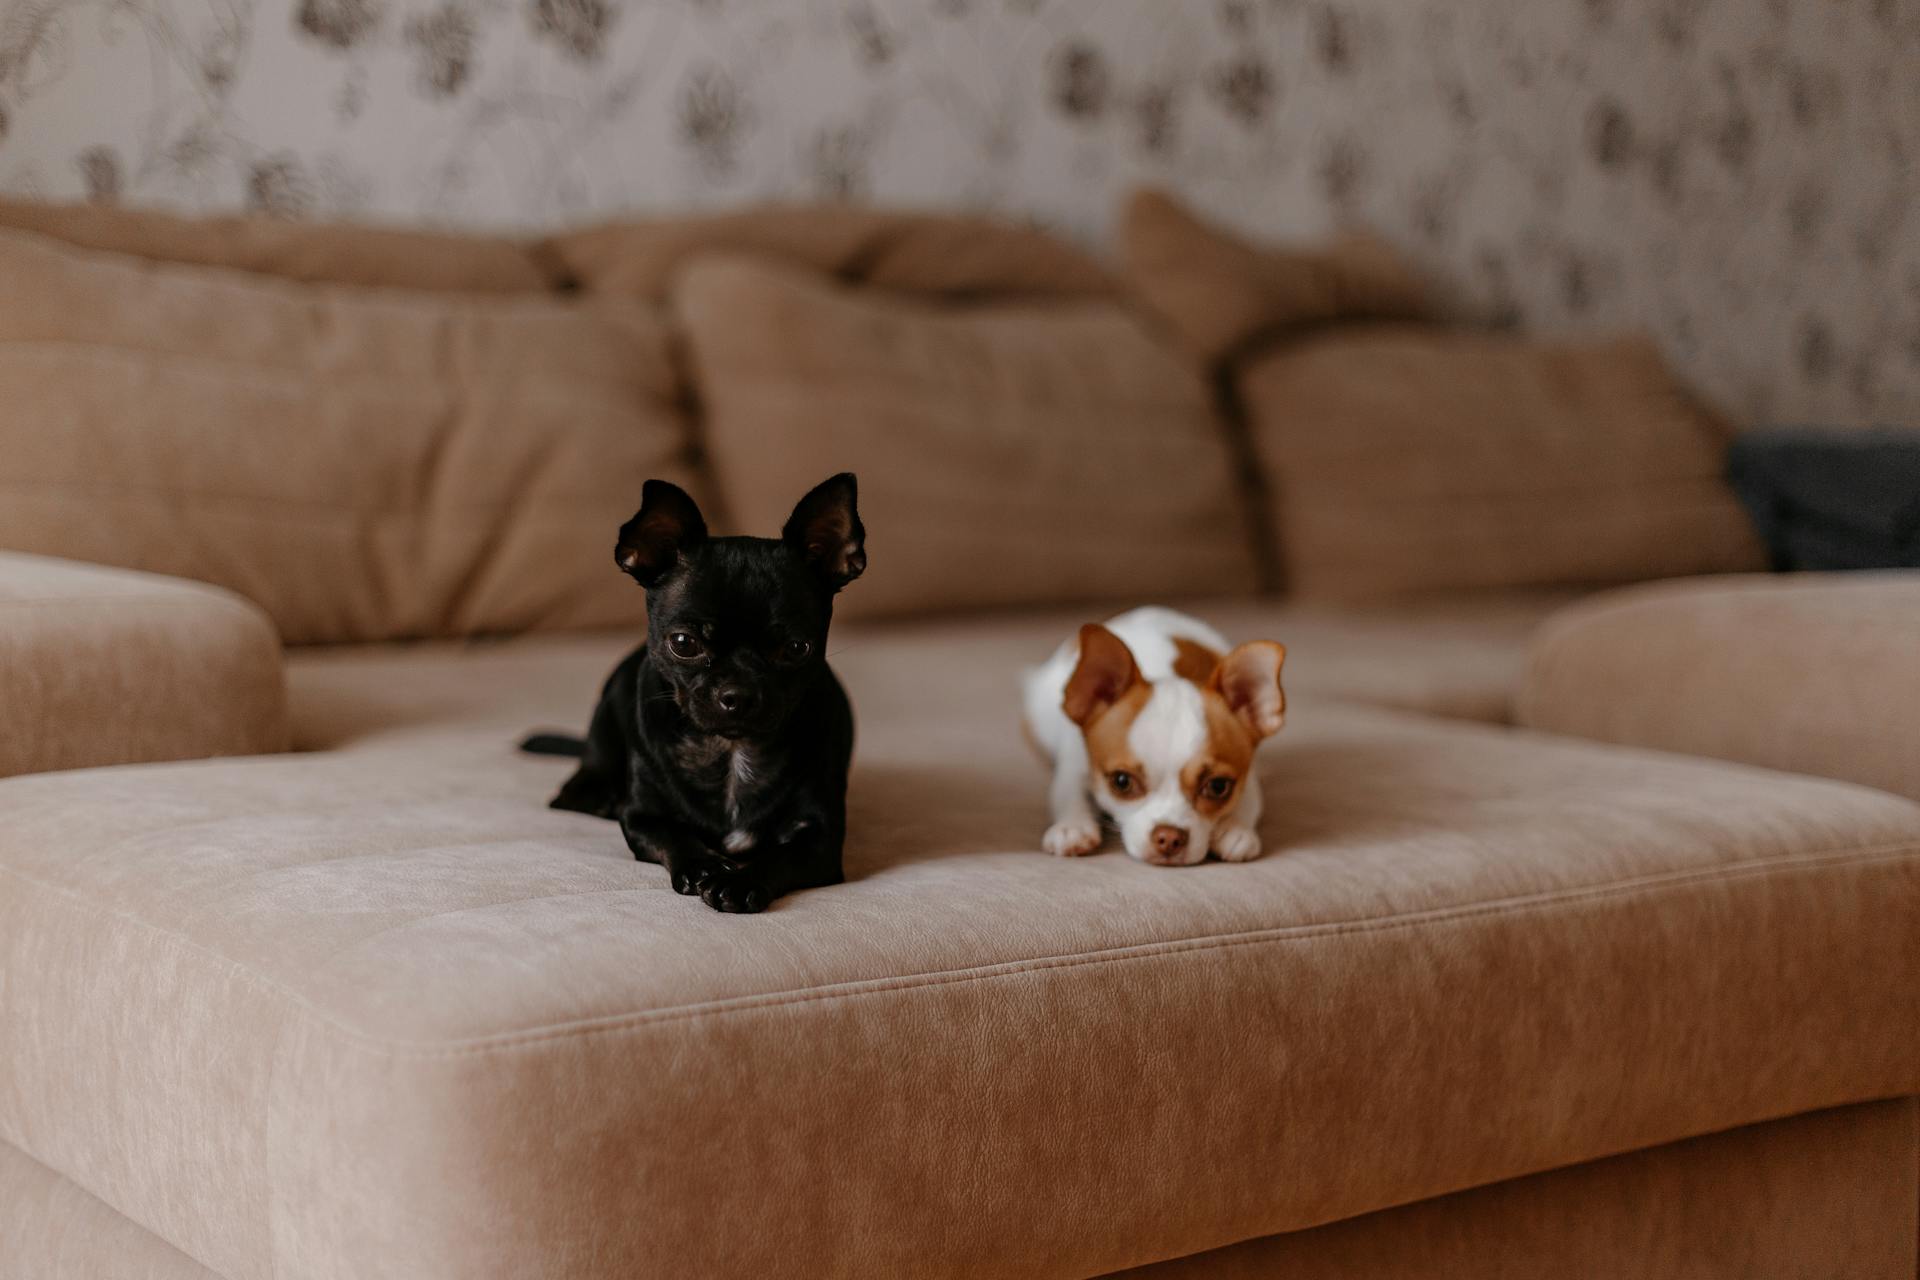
[
  {"x": 332, "y": 253},
  {"x": 1008, "y": 453},
  {"x": 942, "y": 255},
  {"x": 1407, "y": 459},
  {"x": 364, "y": 464},
  {"x": 1219, "y": 293}
]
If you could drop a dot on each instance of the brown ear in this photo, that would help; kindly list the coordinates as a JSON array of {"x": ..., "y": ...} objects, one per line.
[
  {"x": 1105, "y": 673},
  {"x": 1249, "y": 680}
]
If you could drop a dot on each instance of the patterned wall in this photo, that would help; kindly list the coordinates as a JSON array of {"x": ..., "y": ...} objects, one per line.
[{"x": 1738, "y": 176}]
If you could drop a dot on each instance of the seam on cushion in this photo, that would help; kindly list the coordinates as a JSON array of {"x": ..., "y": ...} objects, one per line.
[
  {"x": 100, "y": 1200},
  {"x": 1871, "y": 855}
]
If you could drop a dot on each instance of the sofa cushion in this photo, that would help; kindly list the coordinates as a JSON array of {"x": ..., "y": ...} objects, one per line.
[
  {"x": 1220, "y": 294},
  {"x": 1459, "y": 658},
  {"x": 1404, "y": 459},
  {"x": 363, "y": 464},
  {"x": 379, "y": 1013},
  {"x": 1819, "y": 1195},
  {"x": 317, "y": 252},
  {"x": 1810, "y": 673},
  {"x": 1828, "y": 1193},
  {"x": 944, "y": 255},
  {"x": 1012, "y": 454},
  {"x": 100, "y": 666}
]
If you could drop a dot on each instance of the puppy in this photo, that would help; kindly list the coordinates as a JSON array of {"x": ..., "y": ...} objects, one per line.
[
  {"x": 721, "y": 745},
  {"x": 1154, "y": 719}
]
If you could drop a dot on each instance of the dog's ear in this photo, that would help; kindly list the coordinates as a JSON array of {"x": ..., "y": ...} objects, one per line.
[
  {"x": 667, "y": 526},
  {"x": 1248, "y": 679},
  {"x": 1105, "y": 673},
  {"x": 825, "y": 528}
]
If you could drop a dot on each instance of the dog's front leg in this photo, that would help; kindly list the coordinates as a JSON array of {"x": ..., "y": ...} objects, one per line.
[
  {"x": 806, "y": 856},
  {"x": 1076, "y": 828},
  {"x": 672, "y": 844}
]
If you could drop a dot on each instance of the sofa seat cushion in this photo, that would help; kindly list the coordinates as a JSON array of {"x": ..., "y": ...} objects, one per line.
[
  {"x": 1459, "y": 658},
  {"x": 379, "y": 1013}
]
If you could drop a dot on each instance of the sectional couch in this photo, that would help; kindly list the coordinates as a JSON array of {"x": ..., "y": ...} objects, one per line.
[{"x": 1586, "y": 944}]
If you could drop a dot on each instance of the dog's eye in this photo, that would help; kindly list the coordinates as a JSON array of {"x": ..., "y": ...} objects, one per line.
[
  {"x": 682, "y": 644},
  {"x": 1219, "y": 787},
  {"x": 1121, "y": 781},
  {"x": 794, "y": 652}
]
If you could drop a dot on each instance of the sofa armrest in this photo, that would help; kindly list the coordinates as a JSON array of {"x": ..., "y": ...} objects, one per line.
[
  {"x": 103, "y": 666},
  {"x": 1811, "y": 673}
]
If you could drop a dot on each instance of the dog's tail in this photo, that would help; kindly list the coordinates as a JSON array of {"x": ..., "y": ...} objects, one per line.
[{"x": 554, "y": 744}]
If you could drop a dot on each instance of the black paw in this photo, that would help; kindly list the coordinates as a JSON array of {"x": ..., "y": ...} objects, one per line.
[
  {"x": 691, "y": 878},
  {"x": 734, "y": 891}
]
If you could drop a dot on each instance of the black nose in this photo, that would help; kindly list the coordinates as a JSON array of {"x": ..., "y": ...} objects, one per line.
[{"x": 734, "y": 700}]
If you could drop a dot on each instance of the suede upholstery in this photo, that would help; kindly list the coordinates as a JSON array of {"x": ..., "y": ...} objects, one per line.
[
  {"x": 316, "y": 252},
  {"x": 101, "y": 666},
  {"x": 397, "y": 1019},
  {"x": 1819, "y": 1196},
  {"x": 1018, "y": 453},
  {"x": 1814, "y": 674},
  {"x": 1828, "y": 1194},
  {"x": 1457, "y": 658},
  {"x": 363, "y": 464},
  {"x": 51, "y": 1229},
  {"x": 1402, "y": 460}
]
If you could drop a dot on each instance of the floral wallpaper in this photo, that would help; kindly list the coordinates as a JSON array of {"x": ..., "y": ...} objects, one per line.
[{"x": 1737, "y": 176}]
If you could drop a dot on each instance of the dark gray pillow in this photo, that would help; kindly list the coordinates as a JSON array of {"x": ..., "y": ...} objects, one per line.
[{"x": 1832, "y": 500}]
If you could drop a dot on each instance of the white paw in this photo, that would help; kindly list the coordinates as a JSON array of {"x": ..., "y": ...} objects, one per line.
[
  {"x": 1071, "y": 839},
  {"x": 1236, "y": 844}
]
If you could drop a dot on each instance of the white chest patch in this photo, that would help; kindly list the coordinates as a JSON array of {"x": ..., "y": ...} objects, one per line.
[
  {"x": 738, "y": 841},
  {"x": 740, "y": 775}
]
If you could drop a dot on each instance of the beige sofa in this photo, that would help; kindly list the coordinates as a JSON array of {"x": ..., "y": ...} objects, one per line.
[{"x": 299, "y": 979}]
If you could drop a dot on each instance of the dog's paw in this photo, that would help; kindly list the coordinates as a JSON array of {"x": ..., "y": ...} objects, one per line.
[
  {"x": 735, "y": 893},
  {"x": 1236, "y": 844},
  {"x": 691, "y": 877},
  {"x": 1071, "y": 839}
]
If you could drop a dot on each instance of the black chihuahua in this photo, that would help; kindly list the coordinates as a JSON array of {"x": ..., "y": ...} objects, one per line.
[{"x": 722, "y": 744}]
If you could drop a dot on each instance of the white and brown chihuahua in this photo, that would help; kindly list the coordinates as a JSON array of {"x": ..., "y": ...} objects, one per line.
[{"x": 1154, "y": 719}]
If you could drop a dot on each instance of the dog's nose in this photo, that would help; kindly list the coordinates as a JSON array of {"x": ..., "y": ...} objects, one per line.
[
  {"x": 734, "y": 700},
  {"x": 1169, "y": 841}
]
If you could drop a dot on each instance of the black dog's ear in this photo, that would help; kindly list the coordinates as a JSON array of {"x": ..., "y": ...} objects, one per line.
[
  {"x": 667, "y": 526},
  {"x": 826, "y": 529}
]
